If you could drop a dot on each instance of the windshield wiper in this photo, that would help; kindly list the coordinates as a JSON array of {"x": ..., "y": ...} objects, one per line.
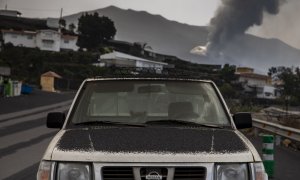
[
  {"x": 182, "y": 122},
  {"x": 87, "y": 123}
]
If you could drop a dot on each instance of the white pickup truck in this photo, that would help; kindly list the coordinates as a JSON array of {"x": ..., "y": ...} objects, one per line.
[{"x": 150, "y": 129}]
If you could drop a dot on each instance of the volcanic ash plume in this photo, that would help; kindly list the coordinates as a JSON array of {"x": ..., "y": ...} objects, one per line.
[{"x": 233, "y": 18}]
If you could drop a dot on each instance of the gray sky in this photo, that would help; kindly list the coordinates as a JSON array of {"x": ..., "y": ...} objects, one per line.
[
  {"x": 195, "y": 12},
  {"x": 285, "y": 26}
]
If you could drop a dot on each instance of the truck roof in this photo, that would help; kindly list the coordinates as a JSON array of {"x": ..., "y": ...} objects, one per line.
[{"x": 148, "y": 78}]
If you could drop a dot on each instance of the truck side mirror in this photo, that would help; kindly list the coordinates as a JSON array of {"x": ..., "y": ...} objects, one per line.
[
  {"x": 242, "y": 120},
  {"x": 55, "y": 120}
]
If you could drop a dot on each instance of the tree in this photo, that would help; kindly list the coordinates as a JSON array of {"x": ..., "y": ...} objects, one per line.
[
  {"x": 72, "y": 27},
  {"x": 227, "y": 91},
  {"x": 94, "y": 31},
  {"x": 290, "y": 79},
  {"x": 62, "y": 23},
  {"x": 1, "y": 41},
  {"x": 228, "y": 73},
  {"x": 297, "y": 88}
]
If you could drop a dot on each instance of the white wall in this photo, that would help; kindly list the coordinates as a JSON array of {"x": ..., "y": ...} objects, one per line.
[
  {"x": 156, "y": 66},
  {"x": 68, "y": 43},
  {"x": 144, "y": 64},
  {"x": 48, "y": 40},
  {"x": 20, "y": 39},
  {"x": 253, "y": 82},
  {"x": 266, "y": 92}
]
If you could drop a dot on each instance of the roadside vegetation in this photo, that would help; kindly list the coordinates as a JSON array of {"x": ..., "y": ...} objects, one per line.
[{"x": 28, "y": 64}]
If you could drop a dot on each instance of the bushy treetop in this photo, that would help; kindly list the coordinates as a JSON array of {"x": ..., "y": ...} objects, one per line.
[{"x": 94, "y": 30}]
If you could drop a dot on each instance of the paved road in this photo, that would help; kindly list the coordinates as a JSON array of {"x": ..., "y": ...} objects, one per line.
[
  {"x": 23, "y": 134},
  {"x": 24, "y": 138},
  {"x": 36, "y": 99},
  {"x": 287, "y": 160}
]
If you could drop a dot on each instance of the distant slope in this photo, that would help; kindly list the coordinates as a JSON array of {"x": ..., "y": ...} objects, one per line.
[
  {"x": 262, "y": 53},
  {"x": 18, "y": 23},
  {"x": 178, "y": 39}
]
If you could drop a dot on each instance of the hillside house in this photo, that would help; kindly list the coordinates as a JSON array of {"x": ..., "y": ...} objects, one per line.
[
  {"x": 68, "y": 42},
  {"x": 149, "y": 54},
  {"x": 253, "y": 79},
  {"x": 259, "y": 84},
  {"x": 267, "y": 92},
  {"x": 119, "y": 59},
  {"x": 46, "y": 40}
]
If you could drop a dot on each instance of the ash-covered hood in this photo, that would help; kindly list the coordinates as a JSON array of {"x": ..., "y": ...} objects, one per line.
[{"x": 151, "y": 144}]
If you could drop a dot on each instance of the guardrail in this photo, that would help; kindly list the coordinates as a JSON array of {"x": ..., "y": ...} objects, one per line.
[{"x": 278, "y": 129}]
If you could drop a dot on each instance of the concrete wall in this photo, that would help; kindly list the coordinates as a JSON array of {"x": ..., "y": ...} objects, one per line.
[
  {"x": 144, "y": 64},
  {"x": 253, "y": 82},
  {"x": 48, "y": 40},
  {"x": 20, "y": 39},
  {"x": 69, "y": 43},
  {"x": 266, "y": 92}
]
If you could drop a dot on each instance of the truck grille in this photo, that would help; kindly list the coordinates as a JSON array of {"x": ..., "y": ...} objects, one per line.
[
  {"x": 190, "y": 173},
  {"x": 129, "y": 173},
  {"x": 117, "y": 173},
  {"x": 163, "y": 172}
]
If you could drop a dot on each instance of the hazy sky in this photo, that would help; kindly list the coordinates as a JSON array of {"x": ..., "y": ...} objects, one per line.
[
  {"x": 196, "y": 12},
  {"x": 285, "y": 26}
]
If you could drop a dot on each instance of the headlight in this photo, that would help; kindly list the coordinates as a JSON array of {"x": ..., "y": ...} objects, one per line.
[
  {"x": 232, "y": 172},
  {"x": 259, "y": 171},
  {"x": 44, "y": 172},
  {"x": 73, "y": 171}
]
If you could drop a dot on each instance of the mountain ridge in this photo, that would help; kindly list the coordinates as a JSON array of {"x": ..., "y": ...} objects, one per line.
[{"x": 175, "y": 38}]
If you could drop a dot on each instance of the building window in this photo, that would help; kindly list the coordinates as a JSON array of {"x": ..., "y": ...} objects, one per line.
[
  {"x": 14, "y": 36},
  {"x": 48, "y": 33},
  {"x": 48, "y": 43},
  {"x": 29, "y": 37},
  {"x": 66, "y": 41}
]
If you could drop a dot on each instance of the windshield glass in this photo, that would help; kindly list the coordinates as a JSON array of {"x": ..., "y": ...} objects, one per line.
[{"x": 144, "y": 101}]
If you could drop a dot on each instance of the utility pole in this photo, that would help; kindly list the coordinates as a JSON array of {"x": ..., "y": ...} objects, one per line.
[
  {"x": 61, "y": 12},
  {"x": 59, "y": 21}
]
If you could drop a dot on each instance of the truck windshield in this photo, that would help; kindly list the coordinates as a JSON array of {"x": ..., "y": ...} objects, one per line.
[{"x": 136, "y": 101}]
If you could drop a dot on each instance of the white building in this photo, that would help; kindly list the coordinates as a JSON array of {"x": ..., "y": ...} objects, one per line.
[
  {"x": 252, "y": 79},
  {"x": 20, "y": 38},
  {"x": 11, "y": 13},
  {"x": 259, "y": 83},
  {"x": 267, "y": 92},
  {"x": 247, "y": 76},
  {"x": 119, "y": 59},
  {"x": 46, "y": 40},
  {"x": 68, "y": 42}
]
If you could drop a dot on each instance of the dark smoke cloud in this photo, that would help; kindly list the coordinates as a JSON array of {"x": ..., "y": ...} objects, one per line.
[
  {"x": 285, "y": 26},
  {"x": 234, "y": 17}
]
